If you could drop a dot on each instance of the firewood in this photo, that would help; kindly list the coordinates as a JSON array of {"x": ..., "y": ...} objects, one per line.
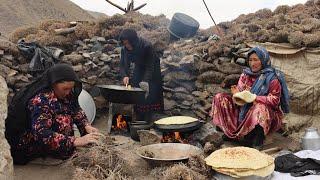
[{"x": 65, "y": 31}]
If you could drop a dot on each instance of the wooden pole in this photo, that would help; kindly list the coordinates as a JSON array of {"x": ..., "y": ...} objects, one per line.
[{"x": 204, "y": 2}]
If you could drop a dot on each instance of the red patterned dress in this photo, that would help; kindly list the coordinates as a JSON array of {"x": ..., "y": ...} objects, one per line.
[
  {"x": 52, "y": 127},
  {"x": 264, "y": 112}
]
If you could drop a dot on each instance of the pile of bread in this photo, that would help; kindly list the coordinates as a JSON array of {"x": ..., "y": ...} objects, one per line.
[{"x": 241, "y": 162}]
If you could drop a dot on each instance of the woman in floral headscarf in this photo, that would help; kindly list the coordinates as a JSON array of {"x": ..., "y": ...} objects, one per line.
[{"x": 253, "y": 121}]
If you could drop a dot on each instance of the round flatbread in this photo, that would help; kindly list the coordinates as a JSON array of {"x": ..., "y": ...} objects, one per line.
[
  {"x": 263, "y": 172},
  {"x": 176, "y": 120},
  {"x": 244, "y": 97},
  {"x": 239, "y": 158}
]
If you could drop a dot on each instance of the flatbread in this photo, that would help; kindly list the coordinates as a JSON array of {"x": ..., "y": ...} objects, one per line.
[
  {"x": 239, "y": 158},
  {"x": 176, "y": 120},
  {"x": 243, "y": 97},
  {"x": 263, "y": 172}
]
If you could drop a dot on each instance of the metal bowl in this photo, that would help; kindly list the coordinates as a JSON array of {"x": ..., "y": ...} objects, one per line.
[
  {"x": 87, "y": 104},
  {"x": 168, "y": 152}
]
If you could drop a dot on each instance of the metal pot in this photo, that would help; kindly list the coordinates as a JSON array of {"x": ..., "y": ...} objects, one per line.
[
  {"x": 311, "y": 139},
  {"x": 135, "y": 126},
  {"x": 121, "y": 94}
]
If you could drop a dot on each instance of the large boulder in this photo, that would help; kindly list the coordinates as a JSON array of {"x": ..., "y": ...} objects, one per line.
[{"x": 6, "y": 164}]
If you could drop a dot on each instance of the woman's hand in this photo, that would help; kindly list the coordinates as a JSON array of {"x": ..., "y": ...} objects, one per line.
[
  {"x": 90, "y": 129},
  {"x": 91, "y": 138},
  {"x": 234, "y": 89},
  {"x": 125, "y": 80}
]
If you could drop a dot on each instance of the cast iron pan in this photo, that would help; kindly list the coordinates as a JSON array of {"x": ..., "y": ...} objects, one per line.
[
  {"x": 121, "y": 94},
  {"x": 179, "y": 127}
]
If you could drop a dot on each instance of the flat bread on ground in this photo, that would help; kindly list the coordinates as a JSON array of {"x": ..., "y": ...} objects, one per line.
[
  {"x": 175, "y": 120},
  {"x": 263, "y": 172},
  {"x": 239, "y": 158}
]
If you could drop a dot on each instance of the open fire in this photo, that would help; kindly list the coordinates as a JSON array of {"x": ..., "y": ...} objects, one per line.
[
  {"x": 175, "y": 137},
  {"x": 120, "y": 123}
]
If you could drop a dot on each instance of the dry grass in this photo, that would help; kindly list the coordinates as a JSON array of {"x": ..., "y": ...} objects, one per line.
[{"x": 102, "y": 161}]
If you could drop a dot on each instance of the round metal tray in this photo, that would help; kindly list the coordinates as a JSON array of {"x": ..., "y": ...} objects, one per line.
[
  {"x": 168, "y": 152},
  {"x": 86, "y": 103}
]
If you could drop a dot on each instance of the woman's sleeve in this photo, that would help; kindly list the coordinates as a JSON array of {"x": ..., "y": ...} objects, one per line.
[
  {"x": 124, "y": 64},
  {"x": 41, "y": 116},
  {"x": 81, "y": 120},
  {"x": 273, "y": 98},
  {"x": 149, "y": 62},
  {"x": 242, "y": 82}
]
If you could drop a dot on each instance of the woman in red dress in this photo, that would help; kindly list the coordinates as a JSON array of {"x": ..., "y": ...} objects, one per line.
[
  {"x": 253, "y": 121},
  {"x": 41, "y": 117}
]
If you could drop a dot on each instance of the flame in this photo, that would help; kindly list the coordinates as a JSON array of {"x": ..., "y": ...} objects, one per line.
[
  {"x": 121, "y": 123},
  {"x": 173, "y": 137}
]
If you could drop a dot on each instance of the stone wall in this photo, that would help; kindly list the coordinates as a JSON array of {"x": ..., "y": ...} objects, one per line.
[{"x": 6, "y": 164}]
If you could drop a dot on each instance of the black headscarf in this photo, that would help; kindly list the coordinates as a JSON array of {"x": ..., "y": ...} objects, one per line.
[
  {"x": 18, "y": 120},
  {"x": 130, "y": 35}
]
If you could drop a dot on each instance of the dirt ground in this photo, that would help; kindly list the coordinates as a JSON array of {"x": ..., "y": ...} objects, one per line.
[{"x": 34, "y": 171}]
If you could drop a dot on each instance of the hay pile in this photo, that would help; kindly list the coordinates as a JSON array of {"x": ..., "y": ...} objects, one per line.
[
  {"x": 102, "y": 161},
  {"x": 298, "y": 25},
  {"x": 194, "y": 169},
  {"x": 151, "y": 27}
]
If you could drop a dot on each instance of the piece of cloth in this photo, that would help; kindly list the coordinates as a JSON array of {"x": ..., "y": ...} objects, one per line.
[
  {"x": 290, "y": 163},
  {"x": 41, "y": 58},
  {"x": 265, "y": 76},
  {"x": 146, "y": 68},
  {"x": 19, "y": 120}
]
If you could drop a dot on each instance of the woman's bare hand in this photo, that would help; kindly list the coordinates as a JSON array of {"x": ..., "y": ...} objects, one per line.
[
  {"x": 125, "y": 80},
  {"x": 234, "y": 89},
  {"x": 91, "y": 138},
  {"x": 91, "y": 129}
]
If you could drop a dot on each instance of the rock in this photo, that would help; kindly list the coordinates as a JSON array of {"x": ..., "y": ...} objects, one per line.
[
  {"x": 86, "y": 55},
  {"x": 8, "y": 57},
  {"x": 182, "y": 96},
  {"x": 230, "y": 80},
  {"x": 6, "y": 168},
  {"x": 74, "y": 58},
  {"x": 178, "y": 75},
  {"x": 227, "y": 67},
  {"x": 77, "y": 68},
  {"x": 169, "y": 104},
  {"x": 209, "y": 148},
  {"x": 106, "y": 58},
  {"x": 181, "y": 90},
  {"x": 149, "y": 137},
  {"x": 211, "y": 77},
  {"x": 1, "y": 52},
  {"x": 101, "y": 39},
  {"x": 187, "y": 63},
  {"x": 241, "y": 61}
]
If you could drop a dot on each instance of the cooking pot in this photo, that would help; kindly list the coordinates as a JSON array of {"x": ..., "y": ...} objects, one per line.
[{"x": 122, "y": 94}]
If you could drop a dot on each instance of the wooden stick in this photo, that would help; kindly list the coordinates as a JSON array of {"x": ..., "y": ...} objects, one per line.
[
  {"x": 204, "y": 2},
  {"x": 139, "y": 7},
  {"x": 117, "y": 6},
  {"x": 271, "y": 150},
  {"x": 64, "y": 31}
]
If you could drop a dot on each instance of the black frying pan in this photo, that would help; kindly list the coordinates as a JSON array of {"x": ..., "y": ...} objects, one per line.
[
  {"x": 179, "y": 127},
  {"x": 121, "y": 94}
]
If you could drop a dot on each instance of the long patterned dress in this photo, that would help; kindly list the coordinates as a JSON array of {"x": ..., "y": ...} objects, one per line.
[
  {"x": 265, "y": 112},
  {"x": 51, "y": 132}
]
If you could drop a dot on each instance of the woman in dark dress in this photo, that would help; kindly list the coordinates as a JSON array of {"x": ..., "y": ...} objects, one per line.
[
  {"x": 41, "y": 117},
  {"x": 146, "y": 72}
]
